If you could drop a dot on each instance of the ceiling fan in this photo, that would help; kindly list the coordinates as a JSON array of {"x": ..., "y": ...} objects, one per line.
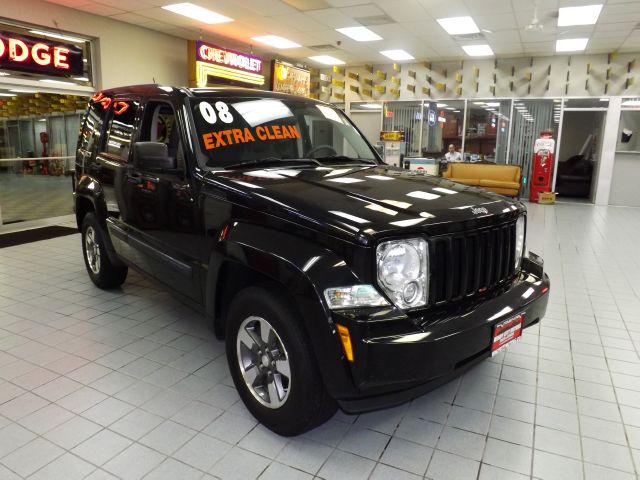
[{"x": 535, "y": 25}]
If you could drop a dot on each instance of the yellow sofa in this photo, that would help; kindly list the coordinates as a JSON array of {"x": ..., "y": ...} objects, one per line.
[{"x": 502, "y": 179}]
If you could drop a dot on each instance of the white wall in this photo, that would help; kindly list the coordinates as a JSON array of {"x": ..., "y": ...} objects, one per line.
[{"x": 125, "y": 54}]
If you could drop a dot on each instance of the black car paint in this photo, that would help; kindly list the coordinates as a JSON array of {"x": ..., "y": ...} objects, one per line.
[{"x": 283, "y": 226}]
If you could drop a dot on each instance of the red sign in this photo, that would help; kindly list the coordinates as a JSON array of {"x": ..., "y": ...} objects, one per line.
[
  {"x": 506, "y": 332},
  {"x": 228, "y": 58},
  {"x": 36, "y": 55}
]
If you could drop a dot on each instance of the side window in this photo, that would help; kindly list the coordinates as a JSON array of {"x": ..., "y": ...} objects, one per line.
[
  {"x": 159, "y": 125},
  {"x": 121, "y": 127},
  {"x": 91, "y": 129}
]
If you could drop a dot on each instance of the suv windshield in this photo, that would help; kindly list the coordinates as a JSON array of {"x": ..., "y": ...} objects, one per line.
[{"x": 235, "y": 130}]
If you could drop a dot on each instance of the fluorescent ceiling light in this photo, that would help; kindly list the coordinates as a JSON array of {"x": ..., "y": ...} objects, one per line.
[
  {"x": 493, "y": 104},
  {"x": 397, "y": 55},
  {"x": 571, "y": 44},
  {"x": 585, "y": 15},
  {"x": 58, "y": 35},
  {"x": 604, "y": 99},
  {"x": 22, "y": 90},
  {"x": 441, "y": 105},
  {"x": 478, "y": 50},
  {"x": 359, "y": 34},
  {"x": 458, "y": 25},
  {"x": 7, "y": 95},
  {"x": 371, "y": 105},
  {"x": 631, "y": 103},
  {"x": 327, "y": 60},
  {"x": 2, "y": 74},
  {"x": 81, "y": 79},
  {"x": 196, "y": 12},
  {"x": 478, "y": 103},
  {"x": 275, "y": 41}
]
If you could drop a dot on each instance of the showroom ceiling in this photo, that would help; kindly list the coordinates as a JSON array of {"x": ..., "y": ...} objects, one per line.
[{"x": 403, "y": 24}]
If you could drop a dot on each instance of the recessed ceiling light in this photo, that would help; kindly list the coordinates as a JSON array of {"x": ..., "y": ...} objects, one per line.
[
  {"x": 7, "y": 95},
  {"x": 196, "y": 12},
  {"x": 275, "y": 41},
  {"x": 359, "y": 34},
  {"x": 604, "y": 99},
  {"x": 327, "y": 60},
  {"x": 631, "y": 103},
  {"x": 571, "y": 44},
  {"x": 371, "y": 105},
  {"x": 441, "y": 105},
  {"x": 397, "y": 55},
  {"x": 458, "y": 25},
  {"x": 478, "y": 50},
  {"x": 493, "y": 104},
  {"x": 478, "y": 103},
  {"x": 585, "y": 15},
  {"x": 23, "y": 90}
]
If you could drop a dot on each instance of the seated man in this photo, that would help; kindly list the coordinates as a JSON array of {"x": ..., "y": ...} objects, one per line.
[{"x": 452, "y": 155}]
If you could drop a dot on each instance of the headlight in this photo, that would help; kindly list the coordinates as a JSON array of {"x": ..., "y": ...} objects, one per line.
[
  {"x": 520, "y": 240},
  {"x": 402, "y": 271},
  {"x": 354, "y": 296}
]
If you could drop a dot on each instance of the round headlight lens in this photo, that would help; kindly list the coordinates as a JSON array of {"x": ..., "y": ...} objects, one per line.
[
  {"x": 400, "y": 265},
  {"x": 402, "y": 271}
]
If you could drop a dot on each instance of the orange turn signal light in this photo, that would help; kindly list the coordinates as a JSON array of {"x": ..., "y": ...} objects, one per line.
[{"x": 345, "y": 338}]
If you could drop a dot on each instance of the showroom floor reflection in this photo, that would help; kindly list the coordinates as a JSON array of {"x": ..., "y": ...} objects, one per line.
[{"x": 130, "y": 384}]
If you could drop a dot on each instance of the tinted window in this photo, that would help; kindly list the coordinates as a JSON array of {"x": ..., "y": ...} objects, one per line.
[
  {"x": 121, "y": 128},
  {"x": 92, "y": 126},
  {"x": 236, "y": 130}
]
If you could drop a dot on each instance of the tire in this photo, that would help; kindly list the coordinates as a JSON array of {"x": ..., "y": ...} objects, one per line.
[
  {"x": 102, "y": 272},
  {"x": 289, "y": 398}
]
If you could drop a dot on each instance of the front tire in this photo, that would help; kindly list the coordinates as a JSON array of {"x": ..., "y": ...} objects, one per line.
[
  {"x": 272, "y": 363},
  {"x": 102, "y": 272}
]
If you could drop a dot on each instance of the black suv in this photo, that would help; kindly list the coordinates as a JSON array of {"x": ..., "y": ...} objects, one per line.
[{"x": 335, "y": 280}]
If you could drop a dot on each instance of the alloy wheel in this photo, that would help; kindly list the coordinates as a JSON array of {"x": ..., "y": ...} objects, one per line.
[
  {"x": 92, "y": 250},
  {"x": 264, "y": 362}
]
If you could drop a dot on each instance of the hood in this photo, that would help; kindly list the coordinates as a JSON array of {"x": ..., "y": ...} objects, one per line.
[{"x": 366, "y": 201}]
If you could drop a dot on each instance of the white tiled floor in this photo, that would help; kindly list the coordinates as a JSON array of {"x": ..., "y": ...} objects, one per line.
[{"x": 130, "y": 384}]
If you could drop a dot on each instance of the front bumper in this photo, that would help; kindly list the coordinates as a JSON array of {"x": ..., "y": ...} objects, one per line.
[{"x": 399, "y": 357}]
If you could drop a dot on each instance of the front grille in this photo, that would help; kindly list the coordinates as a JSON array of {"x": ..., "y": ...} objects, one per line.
[{"x": 472, "y": 262}]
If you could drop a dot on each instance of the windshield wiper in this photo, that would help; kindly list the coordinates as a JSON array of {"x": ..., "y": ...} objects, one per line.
[
  {"x": 271, "y": 161},
  {"x": 344, "y": 158}
]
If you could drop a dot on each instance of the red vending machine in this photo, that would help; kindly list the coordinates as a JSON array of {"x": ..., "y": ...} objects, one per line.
[{"x": 542, "y": 168}]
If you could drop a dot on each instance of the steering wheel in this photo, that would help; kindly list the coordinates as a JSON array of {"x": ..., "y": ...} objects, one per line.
[{"x": 319, "y": 148}]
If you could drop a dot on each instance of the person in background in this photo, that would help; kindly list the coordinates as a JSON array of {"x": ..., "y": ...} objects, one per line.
[{"x": 452, "y": 155}]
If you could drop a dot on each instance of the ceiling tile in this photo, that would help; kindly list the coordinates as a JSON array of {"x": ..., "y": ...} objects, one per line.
[
  {"x": 101, "y": 9},
  {"x": 405, "y": 10},
  {"x": 131, "y": 18},
  {"x": 367, "y": 10},
  {"x": 483, "y": 7},
  {"x": 333, "y": 18},
  {"x": 261, "y": 7},
  {"x": 127, "y": 5},
  {"x": 444, "y": 9},
  {"x": 70, "y": 3},
  {"x": 299, "y": 21},
  {"x": 499, "y": 21}
]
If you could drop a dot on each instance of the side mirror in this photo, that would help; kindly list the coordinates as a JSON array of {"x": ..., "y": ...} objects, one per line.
[{"x": 152, "y": 156}]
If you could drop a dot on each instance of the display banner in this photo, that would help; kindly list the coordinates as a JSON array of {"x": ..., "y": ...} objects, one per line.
[
  {"x": 25, "y": 53},
  {"x": 288, "y": 78}
]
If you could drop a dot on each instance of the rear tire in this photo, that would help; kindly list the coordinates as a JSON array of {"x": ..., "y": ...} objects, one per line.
[
  {"x": 272, "y": 364},
  {"x": 102, "y": 272}
]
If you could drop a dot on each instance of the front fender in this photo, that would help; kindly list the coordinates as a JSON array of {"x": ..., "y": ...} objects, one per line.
[{"x": 304, "y": 269}]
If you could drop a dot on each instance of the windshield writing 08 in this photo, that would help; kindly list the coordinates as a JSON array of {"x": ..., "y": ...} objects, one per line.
[{"x": 239, "y": 130}]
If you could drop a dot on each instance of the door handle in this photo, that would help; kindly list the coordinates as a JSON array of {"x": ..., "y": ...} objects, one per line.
[{"x": 135, "y": 179}]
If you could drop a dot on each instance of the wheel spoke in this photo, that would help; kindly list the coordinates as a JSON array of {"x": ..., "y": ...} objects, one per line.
[
  {"x": 248, "y": 357},
  {"x": 255, "y": 335},
  {"x": 280, "y": 386},
  {"x": 274, "y": 397},
  {"x": 284, "y": 368}
]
